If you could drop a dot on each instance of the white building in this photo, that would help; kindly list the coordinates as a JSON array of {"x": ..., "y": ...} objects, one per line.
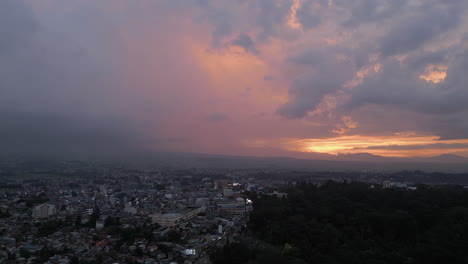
[
  {"x": 173, "y": 219},
  {"x": 169, "y": 219},
  {"x": 44, "y": 210}
]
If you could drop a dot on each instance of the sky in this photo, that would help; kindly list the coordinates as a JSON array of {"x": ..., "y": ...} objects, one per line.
[{"x": 244, "y": 77}]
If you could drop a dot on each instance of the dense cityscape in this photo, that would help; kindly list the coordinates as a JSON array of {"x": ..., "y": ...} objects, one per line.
[
  {"x": 234, "y": 132},
  {"x": 83, "y": 212}
]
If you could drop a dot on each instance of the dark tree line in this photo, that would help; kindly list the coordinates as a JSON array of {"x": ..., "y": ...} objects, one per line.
[{"x": 357, "y": 223}]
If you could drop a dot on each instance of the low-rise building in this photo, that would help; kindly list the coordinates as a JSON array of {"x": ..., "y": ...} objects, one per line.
[
  {"x": 44, "y": 211},
  {"x": 173, "y": 219}
]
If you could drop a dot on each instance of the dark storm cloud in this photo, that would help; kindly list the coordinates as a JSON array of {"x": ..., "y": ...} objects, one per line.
[
  {"x": 80, "y": 63},
  {"x": 55, "y": 135},
  {"x": 244, "y": 41},
  {"x": 326, "y": 76},
  {"x": 370, "y": 11},
  {"x": 308, "y": 16},
  {"x": 453, "y": 126},
  {"x": 230, "y": 17},
  {"x": 421, "y": 59},
  {"x": 428, "y": 33},
  {"x": 54, "y": 97},
  {"x": 311, "y": 58},
  {"x": 397, "y": 84},
  {"x": 270, "y": 14},
  {"x": 17, "y": 25},
  {"x": 420, "y": 26}
]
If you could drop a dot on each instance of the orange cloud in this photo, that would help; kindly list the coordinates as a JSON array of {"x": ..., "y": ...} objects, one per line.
[
  {"x": 397, "y": 145},
  {"x": 435, "y": 74},
  {"x": 348, "y": 124},
  {"x": 371, "y": 144}
]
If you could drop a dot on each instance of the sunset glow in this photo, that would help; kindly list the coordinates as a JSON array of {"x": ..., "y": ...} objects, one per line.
[
  {"x": 378, "y": 145},
  {"x": 406, "y": 144},
  {"x": 251, "y": 77},
  {"x": 435, "y": 74}
]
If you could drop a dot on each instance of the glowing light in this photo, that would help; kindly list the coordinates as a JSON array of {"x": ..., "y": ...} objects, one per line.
[
  {"x": 434, "y": 73},
  {"x": 378, "y": 145},
  {"x": 404, "y": 144},
  {"x": 331, "y": 41}
]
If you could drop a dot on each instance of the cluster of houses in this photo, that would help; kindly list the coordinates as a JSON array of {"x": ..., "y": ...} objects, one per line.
[{"x": 122, "y": 217}]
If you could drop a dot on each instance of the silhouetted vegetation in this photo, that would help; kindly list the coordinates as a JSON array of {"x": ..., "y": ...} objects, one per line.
[
  {"x": 358, "y": 223},
  {"x": 38, "y": 199},
  {"x": 4, "y": 214}
]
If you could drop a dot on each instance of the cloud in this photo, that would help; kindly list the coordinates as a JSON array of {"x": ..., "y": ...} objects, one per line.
[
  {"x": 57, "y": 97},
  {"x": 325, "y": 75},
  {"x": 427, "y": 146},
  {"x": 422, "y": 25},
  {"x": 217, "y": 117},
  {"x": 390, "y": 54},
  {"x": 157, "y": 69},
  {"x": 399, "y": 85},
  {"x": 370, "y": 11},
  {"x": 49, "y": 135},
  {"x": 17, "y": 24},
  {"x": 308, "y": 16},
  {"x": 244, "y": 41}
]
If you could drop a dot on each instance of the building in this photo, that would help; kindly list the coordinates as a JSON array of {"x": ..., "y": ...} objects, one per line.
[
  {"x": 173, "y": 219},
  {"x": 44, "y": 211},
  {"x": 169, "y": 219},
  {"x": 227, "y": 192},
  {"x": 235, "y": 206}
]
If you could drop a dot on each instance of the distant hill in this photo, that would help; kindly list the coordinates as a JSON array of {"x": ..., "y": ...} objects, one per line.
[
  {"x": 289, "y": 160},
  {"x": 446, "y": 158},
  {"x": 445, "y": 163}
]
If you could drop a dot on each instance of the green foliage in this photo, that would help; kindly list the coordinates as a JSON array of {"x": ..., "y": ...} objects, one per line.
[
  {"x": 111, "y": 221},
  {"x": 128, "y": 235},
  {"x": 46, "y": 253},
  {"x": 92, "y": 221},
  {"x": 232, "y": 254},
  {"x": 353, "y": 223},
  {"x": 38, "y": 199},
  {"x": 4, "y": 214},
  {"x": 239, "y": 253},
  {"x": 74, "y": 260},
  {"x": 172, "y": 236},
  {"x": 50, "y": 227},
  {"x": 24, "y": 253}
]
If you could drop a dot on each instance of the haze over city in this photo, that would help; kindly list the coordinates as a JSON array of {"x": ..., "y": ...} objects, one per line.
[
  {"x": 251, "y": 77},
  {"x": 233, "y": 131}
]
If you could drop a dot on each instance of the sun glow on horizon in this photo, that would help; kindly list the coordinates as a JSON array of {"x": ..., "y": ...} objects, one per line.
[{"x": 396, "y": 145}]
